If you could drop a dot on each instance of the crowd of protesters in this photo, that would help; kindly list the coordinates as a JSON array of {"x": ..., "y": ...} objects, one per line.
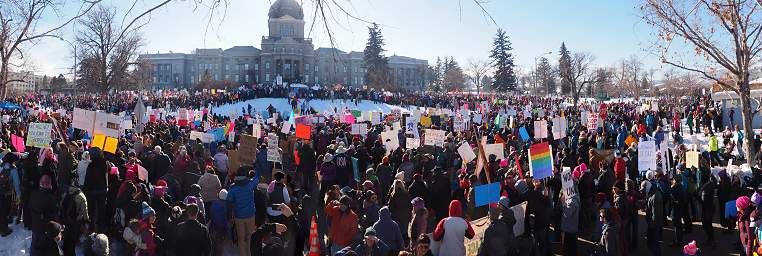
[{"x": 161, "y": 193}]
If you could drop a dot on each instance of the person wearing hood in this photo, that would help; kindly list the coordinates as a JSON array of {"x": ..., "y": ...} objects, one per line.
[
  {"x": 43, "y": 208},
  {"x": 10, "y": 190},
  {"x": 327, "y": 173},
  {"x": 609, "y": 245},
  {"x": 745, "y": 231},
  {"x": 419, "y": 188},
  {"x": 706, "y": 192},
  {"x": 73, "y": 215},
  {"x": 96, "y": 187},
  {"x": 388, "y": 230},
  {"x": 620, "y": 166},
  {"x": 343, "y": 167},
  {"x": 210, "y": 187},
  {"x": 373, "y": 244},
  {"x": 241, "y": 197},
  {"x": 82, "y": 168},
  {"x": 419, "y": 224},
  {"x": 452, "y": 230},
  {"x": 344, "y": 223},
  {"x": 400, "y": 207},
  {"x": 495, "y": 239},
  {"x": 385, "y": 175},
  {"x": 654, "y": 216},
  {"x": 570, "y": 222}
]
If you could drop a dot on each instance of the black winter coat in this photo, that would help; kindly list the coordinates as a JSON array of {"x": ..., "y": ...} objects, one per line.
[{"x": 192, "y": 239}]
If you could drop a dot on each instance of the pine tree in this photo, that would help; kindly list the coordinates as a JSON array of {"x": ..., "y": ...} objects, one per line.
[
  {"x": 504, "y": 78},
  {"x": 376, "y": 63},
  {"x": 565, "y": 69},
  {"x": 545, "y": 76}
]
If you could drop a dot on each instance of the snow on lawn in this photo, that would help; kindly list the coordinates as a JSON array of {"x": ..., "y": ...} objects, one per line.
[
  {"x": 17, "y": 243},
  {"x": 284, "y": 107}
]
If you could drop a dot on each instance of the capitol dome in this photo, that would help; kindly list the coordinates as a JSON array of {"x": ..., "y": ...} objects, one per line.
[{"x": 286, "y": 7}]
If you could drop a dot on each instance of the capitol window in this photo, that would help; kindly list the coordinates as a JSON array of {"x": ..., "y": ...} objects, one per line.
[
  {"x": 245, "y": 66},
  {"x": 227, "y": 67},
  {"x": 256, "y": 66},
  {"x": 316, "y": 70},
  {"x": 247, "y": 78},
  {"x": 267, "y": 66},
  {"x": 306, "y": 66}
]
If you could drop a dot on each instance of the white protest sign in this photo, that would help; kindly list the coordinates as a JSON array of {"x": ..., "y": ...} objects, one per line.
[
  {"x": 646, "y": 156},
  {"x": 434, "y": 137},
  {"x": 411, "y": 143},
  {"x": 540, "y": 129},
  {"x": 592, "y": 122},
  {"x": 273, "y": 152},
  {"x": 466, "y": 152},
  {"x": 39, "y": 135},
  {"x": 567, "y": 183},
  {"x": 375, "y": 118},
  {"x": 519, "y": 212},
  {"x": 477, "y": 118},
  {"x": 494, "y": 149},
  {"x": 286, "y": 128},
  {"x": 559, "y": 127},
  {"x": 204, "y": 137},
  {"x": 108, "y": 124},
  {"x": 84, "y": 120},
  {"x": 459, "y": 124},
  {"x": 390, "y": 139},
  {"x": 360, "y": 129},
  {"x": 256, "y": 130}
]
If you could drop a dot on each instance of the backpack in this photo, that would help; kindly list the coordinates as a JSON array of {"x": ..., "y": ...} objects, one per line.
[{"x": 6, "y": 184}]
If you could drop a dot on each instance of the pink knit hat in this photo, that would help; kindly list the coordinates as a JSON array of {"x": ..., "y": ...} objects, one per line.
[
  {"x": 504, "y": 163},
  {"x": 690, "y": 248},
  {"x": 742, "y": 202}
]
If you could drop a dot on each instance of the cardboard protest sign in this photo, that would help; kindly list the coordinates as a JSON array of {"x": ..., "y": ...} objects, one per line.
[
  {"x": 434, "y": 137},
  {"x": 39, "y": 135},
  {"x": 110, "y": 145},
  {"x": 567, "y": 183},
  {"x": 496, "y": 149},
  {"x": 273, "y": 152},
  {"x": 204, "y": 137},
  {"x": 108, "y": 124},
  {"x": 540, "y": 129},
  {"x": 486, "y": 194},
  {"x": 247, "y": 151},
  {"x": 466, "y": 152},
  {"x": 541, "y": 160},
  {"x": 412, "y": 143},
  {"x": 692, "y": 159},
  {"x": 646, "y": 156},
  {"x": 303, "y": 131}
]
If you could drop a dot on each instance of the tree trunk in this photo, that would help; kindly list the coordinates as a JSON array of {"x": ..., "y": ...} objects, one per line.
[
  {"x": 748, "y": 132},
  {"x": 4, "y": 78}
]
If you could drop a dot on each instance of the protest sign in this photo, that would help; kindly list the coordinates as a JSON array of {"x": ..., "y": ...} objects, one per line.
[
  {"x": 540, "y": 129},
  {"x": 494, "y": 149},
  {"x": 567, "y": 183},
  {"x": 39, "y": 135},
  {"x": 486, "y": 194},
  {"x": 426, "y": 121},
  {"x": 360, "y": 129},
  {"x": 182, "y": 117},
  {"x": 142, "y": 173},
  {"x": 459, "y": 125},
  {"x": 592, "y": 122},
  {"x": 434, "y": 137},
  {"x": 108, "y": 124},
  {"x": 466, "y": 152},
  {"x": 273, "y": 152},
  {"x": 559, "y": 127},
  {"x": 286, "y": 128},
  {"x": 355, "y": 169},
  {"x": 256, "y": 130},
  {"x": 412, "y": 143},
  {"x": 646, "y": 156},
  {"x": 18, "y": 143},
  {"x": 247, "y": 150},
  {"x": 477, "y": 118},
  {"x": 692, "y": 159},
  {"x": 204, "y": 137},
  {"x": 98, "y": 141},
  {"x": 110, "y": 145},
  {"x": 303, "y": 131},
  {"x": 524, "y": 134},
  {"x": 519, "y": 212},
  {"x": 390, "y": 139},
  {"x": 83, "y": 120},
  {"x": 540, "y": 160}
]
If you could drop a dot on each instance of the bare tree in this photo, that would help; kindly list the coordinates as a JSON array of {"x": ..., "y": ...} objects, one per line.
[
  {"x": 724, "y": 33},
  {"x": 110, "y": 49},
  {"x": 477, "y": 69},
  {"x": 579, "y": 73},
  {"x": 627, "y": 75}
]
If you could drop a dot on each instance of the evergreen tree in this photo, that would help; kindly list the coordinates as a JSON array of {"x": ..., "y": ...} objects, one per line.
[
  {"x": 377, "y": 74},
  {"x": 504, "y": 78},
  {"x": 545, "y": 76},
  {"x": 565, "y": 69}
]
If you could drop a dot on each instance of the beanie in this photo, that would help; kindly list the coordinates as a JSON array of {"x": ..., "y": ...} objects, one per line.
[
  {"x": 742, "y": 202},
  {"x": 147, "y": 211}
]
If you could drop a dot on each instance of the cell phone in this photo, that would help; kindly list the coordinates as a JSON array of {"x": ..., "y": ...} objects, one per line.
[{"x": 275, "y": 206}]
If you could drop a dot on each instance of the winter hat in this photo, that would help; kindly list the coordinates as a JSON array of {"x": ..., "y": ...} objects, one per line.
[
  {"x": 327, "y": 158},
  {"x": 147, "y": 211},
  {"x": 345, "y": 200},
  {"x": 223, "y": 195},
  {"x": 742, "y": 202},
  {"x": 690, "y": 248},
  {"x": 191, "y": 200},
  {"x": 619, "y": 184},
  {"x": 346, "y": 190},
  {"x": 650, "y": 175},
  {"x": 521, "y": 186},
  {"x": 400, "y": 176},
  {"x": 370, "y": 231},
  {"x": 195, "y": 189},
  {"x": 756, "y": 198},
  {"x": 504, "y": 163},
  {"x": 418, "y": 203},
  {"x": 367, "y": 184},
  {"x": 645, "y": 186},
  {"x": 680, "y": 166},
  {"x": 159, "y": 191},
  {"x": 504, "y": 202},
  {"x": 45, "y": 182},
  {"x": 53, "y": 229},
  {"x": 576, "y": 174}
]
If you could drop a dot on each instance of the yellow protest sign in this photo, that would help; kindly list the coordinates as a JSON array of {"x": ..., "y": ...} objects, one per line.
[
  {"x": 110, "y": 145},
  {"x": 98, "y": 141},
  {"x": 426, "y": 121}
]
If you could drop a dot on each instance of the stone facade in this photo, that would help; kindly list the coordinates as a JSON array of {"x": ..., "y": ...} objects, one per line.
[{"x": 284, "y": 53}]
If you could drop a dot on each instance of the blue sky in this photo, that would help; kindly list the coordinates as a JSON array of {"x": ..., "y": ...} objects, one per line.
[{"x": 610, "y": 30}]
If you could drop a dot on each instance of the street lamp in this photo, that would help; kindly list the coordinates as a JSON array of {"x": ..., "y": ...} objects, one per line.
[
  {"x": 535, "y": 69},
  {"x": 74, "y": 68}
]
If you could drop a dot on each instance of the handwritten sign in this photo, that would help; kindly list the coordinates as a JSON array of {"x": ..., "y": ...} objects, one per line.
[
  {"x": 540, "y": 129},
  {"x": 360, "y": 129},
  {"x": 466, "y": 152},
  {"x": 204, "y": 137},
  {"x": 567, "y": 183},
  {"x": 494, "y": 149},
  {"x": 390, "y": 139},
  {"x": 646, "y": 156},
  {"x": 692, "y": 159},
  {"x": 273, "y": 152},
  {"x": 559, "y": 127},
  {"x": 434, "y": 137},
  {"x": 412, "y": 143},
  {"x": 592, "y": 122},
  {"x": 459, "y": 124},
  {"x": 39, "y": 135}
]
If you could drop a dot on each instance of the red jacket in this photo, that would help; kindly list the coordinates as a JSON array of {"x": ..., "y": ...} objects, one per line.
[
  {"x": 620, "y": 168},
  {"x": 343, "y": 225}
]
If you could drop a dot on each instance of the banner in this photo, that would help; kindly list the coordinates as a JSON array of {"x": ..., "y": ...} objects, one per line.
[
  {"x": 466, "y": 152},
  {"x": 39, "y": 135},
  {"x": 434, "y": 137},
  {"x": 496, "y": 149},
  {"x": 540, "y": 160},
  {"x": 646, "y": 156}
]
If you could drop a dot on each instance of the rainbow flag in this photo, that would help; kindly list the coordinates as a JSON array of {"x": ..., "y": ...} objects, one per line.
[{"x": 541, "y": 160}]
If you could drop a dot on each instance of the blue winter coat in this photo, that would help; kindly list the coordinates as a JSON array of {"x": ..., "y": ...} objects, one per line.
[
  {"x": 388, "y": 231},
  {"x": 241, "y": 195}
]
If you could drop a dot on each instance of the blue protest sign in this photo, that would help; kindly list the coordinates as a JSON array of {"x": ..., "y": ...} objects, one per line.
[
  {"x": 523, "y": 133},
  {"x": 486, "y": 194}
]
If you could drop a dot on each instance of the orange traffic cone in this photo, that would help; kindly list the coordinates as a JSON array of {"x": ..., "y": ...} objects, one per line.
[{"x": 314, "y": 243}]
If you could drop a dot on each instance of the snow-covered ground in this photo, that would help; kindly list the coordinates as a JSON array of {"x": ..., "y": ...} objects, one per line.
[
  {"x": 283, "y": 106},
  {"x": 17, "y": 243}
]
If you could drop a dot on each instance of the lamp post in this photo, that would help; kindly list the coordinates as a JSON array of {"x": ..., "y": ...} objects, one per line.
[
  {"x": 74, "y": 68},
  {"x": 535, "y": 69}
]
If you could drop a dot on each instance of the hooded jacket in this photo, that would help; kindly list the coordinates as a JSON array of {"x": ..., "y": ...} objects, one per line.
[
  {"x": 241, "y": 195},
  {"x": 343, "y": 225},
  {"x": 452, "y": 230},
  {"x": 609, "y": 241},
  {"x": 388, "y": 231}
]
